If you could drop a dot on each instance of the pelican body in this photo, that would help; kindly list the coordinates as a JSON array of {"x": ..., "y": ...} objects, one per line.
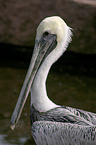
[{"x": 52, "y": 124}]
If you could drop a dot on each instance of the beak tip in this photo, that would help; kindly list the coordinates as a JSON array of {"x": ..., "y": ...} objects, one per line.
[{"x": 12, "y": 127}]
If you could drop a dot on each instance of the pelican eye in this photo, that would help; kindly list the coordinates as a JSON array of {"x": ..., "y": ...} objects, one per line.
[{"x": 46, "y": 33}]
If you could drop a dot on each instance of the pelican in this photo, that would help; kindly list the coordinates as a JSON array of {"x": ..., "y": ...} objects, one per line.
[{"x": 52, "y": 124}]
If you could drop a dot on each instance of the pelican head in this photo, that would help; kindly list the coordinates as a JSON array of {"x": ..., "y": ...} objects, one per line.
[{"x": 52, "y": 38}]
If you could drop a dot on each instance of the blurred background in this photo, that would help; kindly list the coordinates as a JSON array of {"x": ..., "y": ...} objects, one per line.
[{"x": 72, "y": 79}]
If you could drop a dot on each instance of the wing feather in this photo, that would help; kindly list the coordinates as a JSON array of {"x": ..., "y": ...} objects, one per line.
[{"x": 58, "y": 133}]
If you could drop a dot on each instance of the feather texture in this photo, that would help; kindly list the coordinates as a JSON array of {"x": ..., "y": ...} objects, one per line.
[
  {"x": 57, "y": 133},
  {"x": 63, "y": 126}
]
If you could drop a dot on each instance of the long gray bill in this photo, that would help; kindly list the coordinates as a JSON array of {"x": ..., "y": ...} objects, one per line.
[{"x": 41, "y": 51}]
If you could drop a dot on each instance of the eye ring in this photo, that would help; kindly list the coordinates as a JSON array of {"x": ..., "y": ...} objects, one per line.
[{"x": 46, "y": 33}]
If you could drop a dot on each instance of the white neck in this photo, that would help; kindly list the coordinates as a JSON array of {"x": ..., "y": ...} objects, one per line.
[{"x": 39, "y": 98}]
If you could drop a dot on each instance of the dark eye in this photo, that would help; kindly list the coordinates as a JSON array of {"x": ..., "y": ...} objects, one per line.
[{"x": 46, "y": 33}]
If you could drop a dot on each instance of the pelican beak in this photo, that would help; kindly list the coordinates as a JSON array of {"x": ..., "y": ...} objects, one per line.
[{"x": 41, "y": 50}]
